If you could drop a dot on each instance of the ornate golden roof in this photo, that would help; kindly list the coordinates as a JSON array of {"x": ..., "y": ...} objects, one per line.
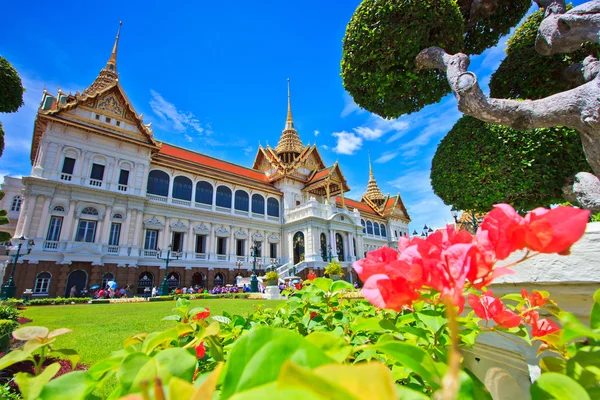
[
  {"x": 290, "y": 141},
  {"x": 373, "y": 192},
  {"x": 108, "y": 75}
]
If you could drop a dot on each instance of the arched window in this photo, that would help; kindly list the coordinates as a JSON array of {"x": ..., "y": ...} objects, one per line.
[
  {"x": 117, "y": 216},
  {"x": 107, "y": 277},
  {"x": 182, "y": 188},
  {"x": 16, "y": 203},
  {"x": 272, "y": 207},
  {"x": 204, "y": 193},
  {"x": 59, "y": 209},
  {"x": 376, "y": 228},
  {"x": 158, "y": 183},
  {"x": 42, "y": 283},
  {"x": 145, "y": 283},
  {"x": 339, "y": 245},
  {"x": 362, "y": 222},
  {"x": 223, "y": 197},
  {"x": 324, "y": 247},
  {"x": 383, "y": 231},
  {"x": 89, "y": 211},
  {"x": 258, "y": 204},
  {"x": 219, "y": 279},
  {"x": 241, "y": 200},
  {"x": 173, "y": 280},
  {"x": 369, "y": 227}
]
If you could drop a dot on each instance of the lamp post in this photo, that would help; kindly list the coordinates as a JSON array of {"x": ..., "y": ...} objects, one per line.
[
  {"x": 164, "y": 287},
  {"x": 474, "y": 222},
  {"x": 10, "y": 288},
  {"x": 426, "y": 231},
  {"x": 254, "y": 280},
  {"x": 329, "y": 248}
]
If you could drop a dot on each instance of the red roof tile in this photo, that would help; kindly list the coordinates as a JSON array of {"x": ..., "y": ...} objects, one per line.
[
  {"x": 201, "y": 159},
  {"x": 355, "y": 204},
  {"x": 319, "y": 175}
]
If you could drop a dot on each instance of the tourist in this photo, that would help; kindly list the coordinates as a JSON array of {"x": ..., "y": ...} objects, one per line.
[
  {"x": 122, "y": 292},
  {"x": 184, "y": 290},
  {"x": 154, "y": 291},
  {"x": 73, "y": 291}
]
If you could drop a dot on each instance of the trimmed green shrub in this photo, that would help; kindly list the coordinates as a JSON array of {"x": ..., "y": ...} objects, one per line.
[
  {"x": 478, "y": 164},
  {"x": 8, "y": 312},
  {"x": 11, "y": 88},
  {"x": 7, "y": 326},
  {"x": 58, "y": 300}
]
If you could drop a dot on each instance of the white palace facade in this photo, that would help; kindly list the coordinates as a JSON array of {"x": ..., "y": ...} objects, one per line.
[{"x": 105, "y": 200}]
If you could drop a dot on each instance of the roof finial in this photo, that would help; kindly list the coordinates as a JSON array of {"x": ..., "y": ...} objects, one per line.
[
  {"x": 112, "y": 61},
  {"x": 370, "y": 166},
  {"x": 289, "y": 122}
]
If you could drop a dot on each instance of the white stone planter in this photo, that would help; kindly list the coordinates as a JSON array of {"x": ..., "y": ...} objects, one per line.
[{"x": 272, "y": 293}]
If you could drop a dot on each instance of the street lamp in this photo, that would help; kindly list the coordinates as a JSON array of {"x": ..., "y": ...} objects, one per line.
[
  {"x": 474, "y": 222},
  {"x": 255, "y": 249},
  {"x": 426, "y": 231},
  {"x": 10, "y": 288},
  {"x": 329, "y": 248},
  {"x": 164, "y": 287}
]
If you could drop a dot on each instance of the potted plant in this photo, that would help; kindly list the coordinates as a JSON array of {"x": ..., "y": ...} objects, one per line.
[
  {"x": 272, "y": 277},
  {"x": 334, "y": 270}
]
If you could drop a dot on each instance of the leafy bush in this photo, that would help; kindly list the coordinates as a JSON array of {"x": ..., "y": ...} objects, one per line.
[
  {"x": 47, "y": 301},
  {"x": 7, "y": 326},
  {"x": 100, "y": 301},
  {"x": 7, "y": 393},
  {"x": 11, "y": 88},
  {"x": 478, "y": 165},
  {"x": 379, "y": 49},
  {"x": 8, "y": 312},
  {"x": 334, "y": 268},
  {"x": 271, "y": 276}
]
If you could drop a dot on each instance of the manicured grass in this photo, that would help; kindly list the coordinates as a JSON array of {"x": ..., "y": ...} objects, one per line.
[{"x": 99, "y": 329}]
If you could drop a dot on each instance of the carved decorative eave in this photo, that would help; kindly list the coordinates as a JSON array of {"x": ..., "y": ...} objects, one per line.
[
  {"x": 179, "y": 226},
  {"x": 201, "y": 229},
  {"x": 332, "y": 177},
  {"x": 391, "y": 211},
  {"x": 374, "y": 206}
]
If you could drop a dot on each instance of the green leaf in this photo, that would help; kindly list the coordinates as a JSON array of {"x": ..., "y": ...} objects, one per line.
[
  {"x": 416, "y": 359},
  {"x": 31, "y": 332},
  {"x": 58, "y": 332},
  {"x": 334, "y": 346},
  {"x": 433, "y": 319},
  {"x": 557, "y": 386},
  {"x": 129, "y": 368},
  {"x": 552, "y": 364},
  {"x": 172, "y": 317},
  {"x": 176, "y": 362},
  {"x": 322, "y": 283},
  {"x": 257, "y": 357},
  {"x": 595, "y": 314},
  {"x": 221, "y": 319},
  {"x": 405, "y": 393},
  {"x": 14, "y": 357},
  {"x": 472, "y": 387},
  {"x": 156, "y": 339},
  {"x": 99, "y": 369},
  {"x": 73, "y": 386},
  {"x": 31, "y": 386},
  {"x": 584, "y": 367},
  {"x": 573, "y": 329},
  {"x": 341, "y": 285}
]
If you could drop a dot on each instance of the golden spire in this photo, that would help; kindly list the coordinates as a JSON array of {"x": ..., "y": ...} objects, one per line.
[
  {"x": 373, "y": 193},
  {"x": 108, "y": 75},
  {"x": 290, "y": 141},
  {"x": 112, "y": 61}
]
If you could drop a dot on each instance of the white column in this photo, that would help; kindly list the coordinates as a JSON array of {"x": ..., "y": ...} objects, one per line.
[
  {"x": 214, "y": 199},
  {"x": 210, "y": 245},
  {"x": 29, "y": 215},
  {"x": 189, "y": 247},
  {"x": 44, "y": 219},
  {"x": 106, "y": 226},
  {"x": 170, "y": 194},
  {"x": 65, "y": 233},
  {"x": 138, "y": 229},
  {"x": 193, "y": 194},
  {"x": 232, "y": 244},
  {"x": 167, "y": 234},
  {"x": 125, "y": 230},
  {"x": 333, "y": 246}
]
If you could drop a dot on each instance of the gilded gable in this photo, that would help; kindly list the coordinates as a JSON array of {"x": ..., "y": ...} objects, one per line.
[{"x": 110, "y": 103}]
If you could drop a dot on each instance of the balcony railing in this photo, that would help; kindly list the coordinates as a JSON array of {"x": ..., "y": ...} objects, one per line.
[
  {"x": 221, "y": 257},
  {"x": 160, "y": 199},
  {"x": 95, "y": 182},
  {"x": 204, "y": 206},
  {"x": 122, "y": 188},
  {"x": 150, "y": 253},
  {"x": 51, "y": 245},
  {"x": 112, "y": 250},
  {"x": 181, "y": 202},
  {"x": 200, "y": 256},
  {"x": 66, "y": 177}
]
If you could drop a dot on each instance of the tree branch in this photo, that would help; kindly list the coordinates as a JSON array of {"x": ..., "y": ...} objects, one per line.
[
  {"x": 578, "y": 108},
  {"x": 564, "y": 31}
]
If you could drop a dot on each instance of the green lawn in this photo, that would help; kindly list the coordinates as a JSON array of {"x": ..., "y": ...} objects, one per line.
[{"x": 100, "y": 329}]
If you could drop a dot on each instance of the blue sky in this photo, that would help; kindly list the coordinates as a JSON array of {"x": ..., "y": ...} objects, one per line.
[{"x": 211, "y": 76}]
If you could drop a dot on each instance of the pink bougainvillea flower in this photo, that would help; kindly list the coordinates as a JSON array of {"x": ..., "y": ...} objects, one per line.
[
  {"x": 201, "y": 315},
  {"x": 555, "y": 231},
  {"x": 376, "y": 262},
  {"x": 200, "y": 350},
  {"x": 506, "y": 230},
  {"x": 543, "y": 327},
  {"x": 482, "y": 269},
  {"x": 488, "y": 307},
  {"x": 536, "y": 299}
]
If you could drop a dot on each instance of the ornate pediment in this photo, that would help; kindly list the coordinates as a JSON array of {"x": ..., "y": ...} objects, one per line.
[
  {"x": 179, "y": 226},
  {"x": 153, "y": 223},
  {"x": 241, "y": 234},
  {"x": 273, "y": 238},
  {"x": 111, "y": 104},
  {"x": 201, "y": 229},
  {"x": 222, "y": 231},
  {"x": 257, "y": 236}
]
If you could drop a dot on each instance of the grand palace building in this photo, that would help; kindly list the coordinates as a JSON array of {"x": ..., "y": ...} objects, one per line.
[{"x": 106, "y": 201}]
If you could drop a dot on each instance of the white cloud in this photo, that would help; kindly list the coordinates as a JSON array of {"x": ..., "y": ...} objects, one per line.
[
  {"x": 350, "y": 107},
  {"x": 369, "y": 133},
  {"x": 347, "y": 143},
  {"x": 248, "y": 150},
  {"x": 387, "y": 156},
  {"x": 317, "y": 132},
  {"x": 188, "y": 138},
  {"x": 324, "y": 147},
  {"x": 179, "y": 120}
]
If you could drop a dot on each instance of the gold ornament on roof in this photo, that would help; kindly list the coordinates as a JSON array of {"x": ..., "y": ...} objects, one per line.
[
  {"x": 108, "y": 75},
  {"x": 373, "y": 192},
  {"x": 289, "y": 143}
]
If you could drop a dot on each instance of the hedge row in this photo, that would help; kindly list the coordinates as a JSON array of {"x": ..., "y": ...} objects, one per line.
[{"x": 204, "y": 296}]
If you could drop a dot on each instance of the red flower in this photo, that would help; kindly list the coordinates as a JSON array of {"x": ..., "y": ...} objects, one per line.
[
  {"x": 506, "y": 230},
  {"x": 544, "y": 327},
  {"x": 555, "y": 231},
  {"x": 200, "y": 350},
  {"x": 313, "y": 314},
  {"x": 488, "y": 307},
  {"x": 536, "y": 299},
  {"x": 201, "y": 315},
  {"x": 311, "y": 276},
  {"x": 483, "y": 259}
]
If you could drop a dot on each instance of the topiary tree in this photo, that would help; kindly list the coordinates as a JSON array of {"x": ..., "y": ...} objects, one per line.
[
  {"x": 11, "y": 99},
  {"x": 478, "y": 165},
  {"x": 369, "y": 76}
]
